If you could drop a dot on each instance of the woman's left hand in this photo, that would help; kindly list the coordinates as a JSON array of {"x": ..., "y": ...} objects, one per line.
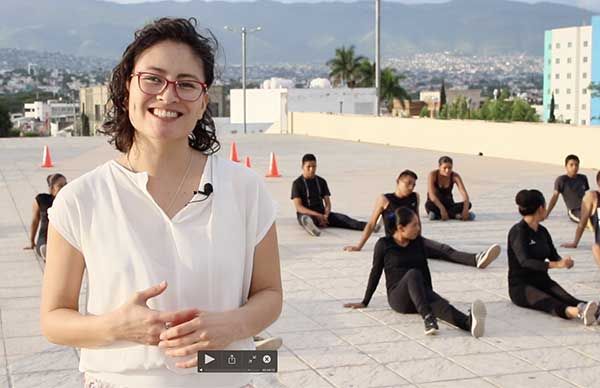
[
  {"x": 465, "y": 214},
  {"x": 207, "y": 331}
]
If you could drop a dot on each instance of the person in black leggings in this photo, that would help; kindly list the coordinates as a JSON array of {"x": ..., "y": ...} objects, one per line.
[
  {"x": 440, "y": 203},
  {"x": 529, "y": 246},
  {"x": 405, "y": 196},
  {"x": 589, "y": 215},
  {"x": 312, "y": 200},
  {"x": 408, "y": 280},
  {"x": 41, "y": 204}
]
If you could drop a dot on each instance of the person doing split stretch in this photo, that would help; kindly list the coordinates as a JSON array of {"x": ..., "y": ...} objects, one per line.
[
  {"x": 405, "y": 196},
  {"x": 312, "y": 201},
  {"x": 440, "y": 203},
  {"x": 529, "y": 246},
  {"x": 408, "y": 280},
  {"x": 572, "y": 186},
  {"x": 589, "y": 215}
]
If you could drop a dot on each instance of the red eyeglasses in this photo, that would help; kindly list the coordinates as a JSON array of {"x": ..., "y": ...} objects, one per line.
[{"x": 154, "y": 84}]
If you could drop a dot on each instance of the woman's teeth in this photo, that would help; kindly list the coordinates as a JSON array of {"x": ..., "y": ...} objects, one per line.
[{"x": 165, "y": 113}]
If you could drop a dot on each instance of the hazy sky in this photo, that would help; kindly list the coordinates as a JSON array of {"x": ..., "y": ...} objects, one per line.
[{"x": 589, "y": 4}]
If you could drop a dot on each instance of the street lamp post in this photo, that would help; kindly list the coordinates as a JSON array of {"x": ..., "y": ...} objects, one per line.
[
  {"x": 377, "y": 55},
  {"x": 244, "y": 31}
]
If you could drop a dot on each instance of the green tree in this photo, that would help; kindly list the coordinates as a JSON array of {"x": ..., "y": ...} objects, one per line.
[
  {"x": 520, "y": 110},
  {"x": 443, "y": 95},
  {"x": 390, "y": 87},
  {"x": 425, "y": 112},
  {"x": 552, "y": 118},
  {"x": 5, "y": 123},
  {"x": 365, "y": 74},
  {"x": 343, "y": 68}
]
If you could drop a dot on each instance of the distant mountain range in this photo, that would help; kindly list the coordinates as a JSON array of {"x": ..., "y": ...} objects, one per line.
[{"x": 292, "y": 33}]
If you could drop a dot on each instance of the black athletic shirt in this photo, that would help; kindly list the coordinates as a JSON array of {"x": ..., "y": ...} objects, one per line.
[
  {"x": 527, "y": 252},
  {"x": 572, "y": 189},
  {"x": 311, "y": 192},
  {"x": 396, "y": 261},
  {"x": 444, "y": 194},
  {"x": 44, "y": 202},
  {"x": 395, "y": 202}
]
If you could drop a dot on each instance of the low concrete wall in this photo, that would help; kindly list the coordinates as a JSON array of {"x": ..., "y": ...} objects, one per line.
[{"x": 537, "y": 142}]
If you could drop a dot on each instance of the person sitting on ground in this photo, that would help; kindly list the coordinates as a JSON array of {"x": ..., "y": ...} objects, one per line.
[
  {"x": 530, "y": 254},
  {"x": 311, "y": 197},
  {"x": 39, "y": 214},
  {"x": 405, "y": 196},
  {"x": 408, "y": 280},
  {"x": 589, "y": 214},
  {"x": 440, "y": 204},
  {"x": 572, "y": 186}
]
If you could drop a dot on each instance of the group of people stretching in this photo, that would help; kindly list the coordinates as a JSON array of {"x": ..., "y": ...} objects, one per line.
[{"x": 403, "y": 252}]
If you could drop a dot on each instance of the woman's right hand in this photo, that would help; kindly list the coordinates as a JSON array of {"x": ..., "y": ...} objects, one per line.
[
  {"x": 351, "y": 248},
  {"x": 567, "y": 262},
  {"x": 444, "y": 214},
  {"x": 355, "y": 305},
  {"x": 134, "y": 321},
  {"x": 568, "y": 245},
  {"x": 30, "y": 246}
]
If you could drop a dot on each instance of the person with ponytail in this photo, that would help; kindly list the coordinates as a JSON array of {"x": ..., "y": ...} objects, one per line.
[
  {"x": 39, "y": 214},
  {"x": 530, "y": 254},
  {"x": 408, "y": 280}
]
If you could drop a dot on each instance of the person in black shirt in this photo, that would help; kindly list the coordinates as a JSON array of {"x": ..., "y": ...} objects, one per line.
[
  {"x": 40, "y": 207},
  {"x": 440, "y": 202},
  {"x": 529, "y": 246},
  {"x": 405, "y": 196},
  {"x": 572, "y": 186},
  {"x": 311, "y": 197},
  {"x": 408, "y": 280},
  {"x": 589, "y": 215}
]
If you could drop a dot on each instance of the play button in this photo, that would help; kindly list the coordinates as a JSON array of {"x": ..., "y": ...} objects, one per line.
[{"x": 208, "y": 359}]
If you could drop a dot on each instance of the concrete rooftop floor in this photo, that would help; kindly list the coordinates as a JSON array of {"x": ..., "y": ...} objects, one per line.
[{"x": 326, "y": 345}]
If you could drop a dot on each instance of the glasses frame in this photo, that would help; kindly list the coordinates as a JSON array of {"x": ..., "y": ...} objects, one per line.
[{"x": 168, "y": 82}]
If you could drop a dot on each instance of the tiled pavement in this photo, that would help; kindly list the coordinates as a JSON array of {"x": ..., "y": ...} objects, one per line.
[{"x": 326, "y": 345}]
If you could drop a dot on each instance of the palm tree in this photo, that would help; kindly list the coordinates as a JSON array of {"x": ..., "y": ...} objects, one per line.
[
  {"x": 343, "y": 66},
  {"x": 365, "y": 74},
  {"x": 390, "y": 87}
]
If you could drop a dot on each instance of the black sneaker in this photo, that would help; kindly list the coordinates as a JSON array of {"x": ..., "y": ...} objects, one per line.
[{"x": 431, "y": 326}]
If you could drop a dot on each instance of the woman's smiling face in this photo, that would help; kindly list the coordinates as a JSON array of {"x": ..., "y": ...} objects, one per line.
[{"x": 166, "y": 116}]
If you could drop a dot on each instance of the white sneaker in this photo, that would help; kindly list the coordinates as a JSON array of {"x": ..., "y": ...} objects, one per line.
[
  {"x": 272, "y": 343},
  {"x": 309, "y": 225},
  {"x": 485, "y": 258},
  {"x": 589, "y": 313},
  {"x": 478, "y": 313}
]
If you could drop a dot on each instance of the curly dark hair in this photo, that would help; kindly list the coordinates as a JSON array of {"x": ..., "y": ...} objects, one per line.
[{"x": 117, "y": 124}]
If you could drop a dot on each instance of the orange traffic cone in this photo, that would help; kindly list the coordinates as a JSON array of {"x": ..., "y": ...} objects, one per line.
[
  {"x": 273, "y": 171},
  {"x": 46, "y": 158},
  {"x": 247, "y": 162},
  {"x": 233, "y": 155}
]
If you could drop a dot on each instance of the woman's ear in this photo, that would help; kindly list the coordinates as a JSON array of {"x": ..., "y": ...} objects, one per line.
[{"x": 205, "y": 99}]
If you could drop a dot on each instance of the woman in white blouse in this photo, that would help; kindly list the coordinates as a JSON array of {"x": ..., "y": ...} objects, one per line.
[{"x": 180, "y": 245}]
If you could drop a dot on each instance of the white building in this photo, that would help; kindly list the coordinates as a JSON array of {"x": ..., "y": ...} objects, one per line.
[
  {"x": 273, "y": 105},
  {"x": 51, "y": 110},
  {"x": 571, "y": 63}
]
